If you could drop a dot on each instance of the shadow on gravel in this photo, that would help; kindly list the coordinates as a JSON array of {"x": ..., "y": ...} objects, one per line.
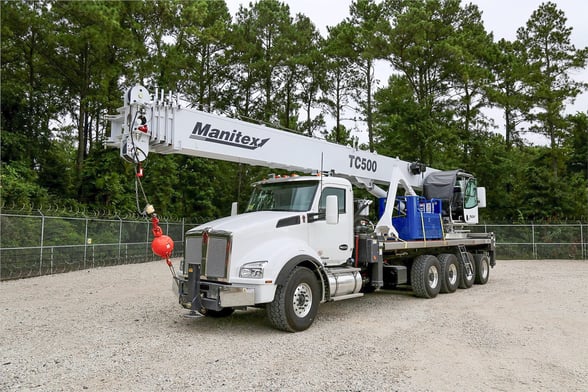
[
  {"x": 404, "y": 291},
  {"x": 251, "y": 321}
]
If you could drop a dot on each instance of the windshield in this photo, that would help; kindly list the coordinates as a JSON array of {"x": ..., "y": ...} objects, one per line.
[{"x": 283, "y": 196}]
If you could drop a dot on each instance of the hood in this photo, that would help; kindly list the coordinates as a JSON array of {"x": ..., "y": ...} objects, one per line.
[{"x": 252, "y": 221}]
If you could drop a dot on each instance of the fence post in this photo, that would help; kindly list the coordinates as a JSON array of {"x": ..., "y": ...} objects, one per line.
[
  {"x": 533, "y": 240},
  {"x": 41, "y": 247},
  {"x": 119, "y": 236},
  {"x": 582, "y": 242},
  {"x": 86, "y": 243}
]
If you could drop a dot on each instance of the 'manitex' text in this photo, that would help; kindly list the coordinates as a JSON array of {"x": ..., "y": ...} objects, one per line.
[{"x": 232, "y": 138}]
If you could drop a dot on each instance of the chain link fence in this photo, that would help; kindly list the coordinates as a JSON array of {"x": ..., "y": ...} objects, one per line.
[
  {"x": 539, "y": 241},
  {"x": 34, "y": 245}
]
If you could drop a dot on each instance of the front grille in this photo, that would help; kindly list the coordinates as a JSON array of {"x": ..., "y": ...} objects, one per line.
[
  {"x": 212, "y": 251},
  {"x": 193, "y": 252},
  {"x": 217, "y": 257}
]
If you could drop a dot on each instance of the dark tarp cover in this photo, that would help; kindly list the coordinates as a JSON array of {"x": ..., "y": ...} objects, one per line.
[{"x": 439, "y": 185}]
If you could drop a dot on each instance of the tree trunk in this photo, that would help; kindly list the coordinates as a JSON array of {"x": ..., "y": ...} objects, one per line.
[{"x": 368, "y": 109}]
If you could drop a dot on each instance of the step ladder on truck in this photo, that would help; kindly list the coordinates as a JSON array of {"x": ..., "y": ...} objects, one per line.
[{"x": 305, "y": 239}]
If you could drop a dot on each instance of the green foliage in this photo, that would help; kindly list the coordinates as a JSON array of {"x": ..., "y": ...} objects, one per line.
[
  {"x": 19, "y": 187},
  {"x": 361, "y": 40},
  {"x": 107, "y": 182},
  {"x": 552, "y": 57},
  {"x": 508, "y": 91},
  {"x": 440, "y": 50},
  {"x": 577, "y": 144},
  {"x": 64, "y": 65}
]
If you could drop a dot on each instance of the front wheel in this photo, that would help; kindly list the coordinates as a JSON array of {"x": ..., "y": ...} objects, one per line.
[{"x": 295, "y": 304}]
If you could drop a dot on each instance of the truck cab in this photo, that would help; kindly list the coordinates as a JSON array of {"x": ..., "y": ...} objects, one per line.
[{"x": 291, "y": 223}]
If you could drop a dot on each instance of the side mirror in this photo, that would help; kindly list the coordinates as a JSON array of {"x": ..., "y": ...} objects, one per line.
[
  {"x": 332, "y": 212},
  {"x": 481, "y": 197},
  {"x": 234, "y": 208}
]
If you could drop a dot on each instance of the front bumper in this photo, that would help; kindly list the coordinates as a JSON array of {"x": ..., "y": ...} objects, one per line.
[{"x": 195, "y": 294}]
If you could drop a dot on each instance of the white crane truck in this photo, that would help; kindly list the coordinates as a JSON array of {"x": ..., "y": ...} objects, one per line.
[{"x": 304, "y": 239}]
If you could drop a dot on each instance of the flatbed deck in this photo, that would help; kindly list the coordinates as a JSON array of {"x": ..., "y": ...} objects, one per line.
[{"x": 390, "y": 245}]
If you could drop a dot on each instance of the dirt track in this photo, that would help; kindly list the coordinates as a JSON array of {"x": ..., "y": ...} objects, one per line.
[{"x": 120, "y": 328}]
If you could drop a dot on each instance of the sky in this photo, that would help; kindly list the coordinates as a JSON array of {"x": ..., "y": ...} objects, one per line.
[{"x": 501, "y": 17}]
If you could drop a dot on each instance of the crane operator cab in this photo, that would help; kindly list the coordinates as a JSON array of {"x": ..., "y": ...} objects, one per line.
[{"x": 459, "y": 193}]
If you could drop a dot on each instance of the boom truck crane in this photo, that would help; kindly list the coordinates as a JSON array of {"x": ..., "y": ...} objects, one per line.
[{"x": 304, "y": 239}]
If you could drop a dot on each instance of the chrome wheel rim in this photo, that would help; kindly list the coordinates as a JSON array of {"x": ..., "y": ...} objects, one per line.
[
  {"x": 485, "y": 269},
  {"x": 452, "y": 274},
  {"x": 302, "y": 300},
  {"x": 433, "y": 277}
]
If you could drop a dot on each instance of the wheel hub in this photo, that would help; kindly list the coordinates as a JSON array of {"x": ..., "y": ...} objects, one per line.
[{"x": 302, "y": 300}]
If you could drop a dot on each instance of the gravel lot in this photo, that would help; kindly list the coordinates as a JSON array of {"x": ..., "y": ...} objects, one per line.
[{"x": 120, "y": 329}]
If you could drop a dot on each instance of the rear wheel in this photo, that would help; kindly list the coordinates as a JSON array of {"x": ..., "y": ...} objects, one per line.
[
  {"x": 449, "y": 272},
  {"x": 295, "y": 304},
  {"x": 425, "y": 276},
  {"x": 467, "y": 274},
  {"x": 482, "y": 268}
]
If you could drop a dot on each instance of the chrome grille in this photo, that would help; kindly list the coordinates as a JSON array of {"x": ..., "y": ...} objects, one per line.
[
  {"x": 210, "y": 249},
  {"x": 193, "y": 252},
  {"x": 217, "y": 257}
]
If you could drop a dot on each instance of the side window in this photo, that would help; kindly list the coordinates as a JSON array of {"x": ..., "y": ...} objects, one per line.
[
  {"x": 471, "y": 195},
  {"x": 340, "y": 193}
]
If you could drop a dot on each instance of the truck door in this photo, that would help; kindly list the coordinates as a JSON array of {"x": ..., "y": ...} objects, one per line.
[
  {"x": 333, "y": 242},
  {"x": 470, "y": 202}
]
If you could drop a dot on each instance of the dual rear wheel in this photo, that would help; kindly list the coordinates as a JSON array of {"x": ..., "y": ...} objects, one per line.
[{"x": 431, "y": 275}]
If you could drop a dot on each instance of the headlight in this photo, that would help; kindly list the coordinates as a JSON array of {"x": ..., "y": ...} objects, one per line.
[{"x": 252, "y": 270}]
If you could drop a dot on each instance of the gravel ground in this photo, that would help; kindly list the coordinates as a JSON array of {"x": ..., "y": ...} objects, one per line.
[{"x": 120, "y": 329}]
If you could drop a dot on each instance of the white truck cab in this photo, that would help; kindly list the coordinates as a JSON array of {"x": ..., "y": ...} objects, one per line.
[{"x": 241, "y": 258}]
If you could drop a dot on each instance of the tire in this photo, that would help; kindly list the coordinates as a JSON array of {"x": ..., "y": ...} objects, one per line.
[
  {"x": 295, "y": 304},
  {"x": 482, "y": 262},
  {"x": 466, "y": 281},
  {"x": 449, "y": 272},
  {"x": 425, "y": 276},
  {"x": 224, "y": 312}
]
